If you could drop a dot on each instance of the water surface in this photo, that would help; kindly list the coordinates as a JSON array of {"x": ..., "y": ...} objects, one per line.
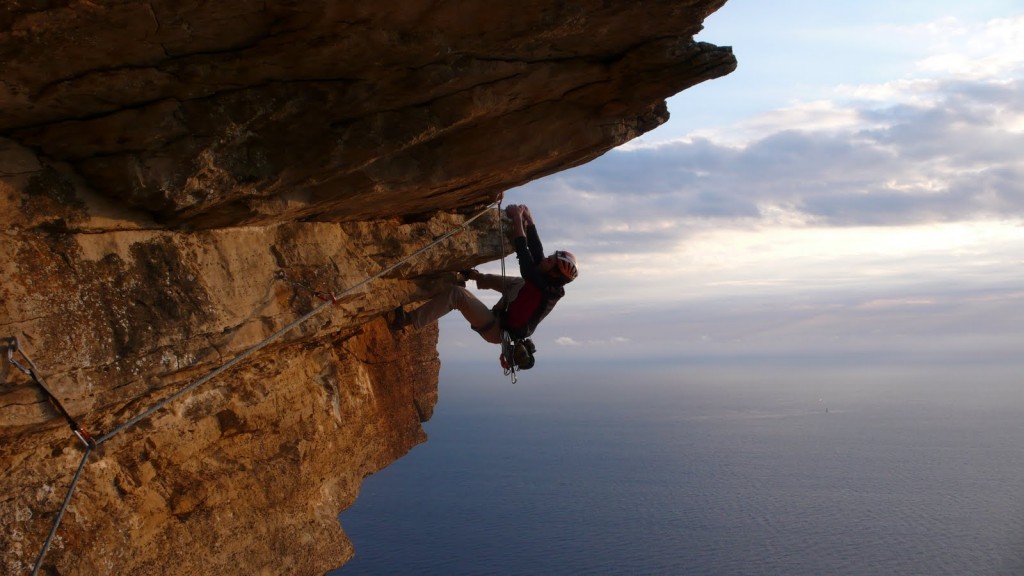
[{"x": 719, "y": 470}]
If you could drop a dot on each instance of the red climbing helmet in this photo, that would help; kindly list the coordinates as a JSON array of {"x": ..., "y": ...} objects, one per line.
[{"x": 566, "y": 263}]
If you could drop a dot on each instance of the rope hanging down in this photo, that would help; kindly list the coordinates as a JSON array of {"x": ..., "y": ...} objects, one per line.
[
  {"x": 506, "y": 340},
  {"x": 91, "y": 444},
  {"x": 511, "y": 360}
]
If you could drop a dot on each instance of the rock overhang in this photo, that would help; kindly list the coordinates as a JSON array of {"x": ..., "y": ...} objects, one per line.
[{"x": 175, "y": 178}]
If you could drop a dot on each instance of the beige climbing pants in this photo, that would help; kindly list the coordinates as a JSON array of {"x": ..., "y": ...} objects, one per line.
[{"x": 479, "y": 316}]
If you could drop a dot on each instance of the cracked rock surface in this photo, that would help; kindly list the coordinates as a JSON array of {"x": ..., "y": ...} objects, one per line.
[{"x": 178, "y": 179}]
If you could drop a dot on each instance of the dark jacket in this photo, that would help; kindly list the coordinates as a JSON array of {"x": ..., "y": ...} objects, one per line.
[{"x": 538, "y": 295}]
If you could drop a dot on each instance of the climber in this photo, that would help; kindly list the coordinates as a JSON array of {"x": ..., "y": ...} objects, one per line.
[{"x": 525, "y": 301}]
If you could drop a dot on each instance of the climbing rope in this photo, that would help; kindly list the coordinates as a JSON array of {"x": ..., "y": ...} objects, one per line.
[
  {"x": 91, "y": 444},
  {"x": 508, "y": 343},
  {"x": 501, "y": 234},
  {"x": 60, "y": 514},
  {"x": 506, "y": 358}
]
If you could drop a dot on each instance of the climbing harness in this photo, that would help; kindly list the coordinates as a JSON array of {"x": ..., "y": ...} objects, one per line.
[{"x": 27, "y": 367}]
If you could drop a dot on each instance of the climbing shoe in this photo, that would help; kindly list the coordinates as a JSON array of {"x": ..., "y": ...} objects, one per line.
[
  {"x": 463, "y": 275},
  {"x": 399, "y": 319}
]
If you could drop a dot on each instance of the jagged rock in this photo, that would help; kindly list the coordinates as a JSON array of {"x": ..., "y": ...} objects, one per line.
[{"x": 177, "y": 179}]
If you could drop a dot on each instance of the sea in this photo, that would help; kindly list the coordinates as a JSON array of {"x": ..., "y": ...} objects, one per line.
[{"x": 731, "y": 468}]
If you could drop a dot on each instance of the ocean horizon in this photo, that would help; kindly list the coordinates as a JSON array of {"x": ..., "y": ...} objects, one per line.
[{"x": 766, "y": 469}]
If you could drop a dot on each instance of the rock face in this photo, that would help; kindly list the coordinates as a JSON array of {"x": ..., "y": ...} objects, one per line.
[{"x": 178, "y": 179}]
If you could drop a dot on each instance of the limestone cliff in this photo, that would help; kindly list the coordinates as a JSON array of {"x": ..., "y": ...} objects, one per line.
[{"x": 177, "y": 178}]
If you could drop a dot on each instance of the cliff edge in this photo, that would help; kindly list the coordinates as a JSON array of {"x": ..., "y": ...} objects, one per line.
[{"x": 179, "y": 180}]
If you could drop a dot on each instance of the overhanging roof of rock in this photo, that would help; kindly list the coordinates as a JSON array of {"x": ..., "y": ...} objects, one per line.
[
  {"x": 219, "y": 113},
  {"x": 237, "y": 112}
]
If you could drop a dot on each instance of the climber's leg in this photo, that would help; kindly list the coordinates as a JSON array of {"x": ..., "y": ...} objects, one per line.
[{"x": 477, "y": 313}]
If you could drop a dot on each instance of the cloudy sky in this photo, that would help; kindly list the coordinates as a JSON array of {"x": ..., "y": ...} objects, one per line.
[{"x": 855, "y": 189}]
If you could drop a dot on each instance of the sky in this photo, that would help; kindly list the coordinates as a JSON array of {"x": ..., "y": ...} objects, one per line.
[{"x": 853, "y": 191}]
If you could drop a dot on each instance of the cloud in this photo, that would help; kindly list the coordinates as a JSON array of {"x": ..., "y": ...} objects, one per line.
[
  {"x": 953, "y": 156},
  {"x": 992, "y": 49},
  {"x": 609, "y": 341}
]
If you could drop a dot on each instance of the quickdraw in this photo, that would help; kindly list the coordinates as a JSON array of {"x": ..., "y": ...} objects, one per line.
[{"x": 29, "y": 369}]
